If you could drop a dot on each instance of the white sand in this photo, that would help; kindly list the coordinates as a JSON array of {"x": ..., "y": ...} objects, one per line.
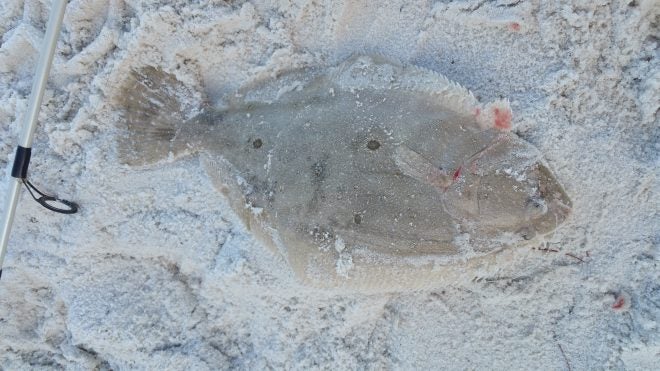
[{"x": 156, "y": 272}]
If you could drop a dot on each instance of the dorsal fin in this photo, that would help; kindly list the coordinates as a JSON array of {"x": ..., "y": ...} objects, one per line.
[{"x": 377, "y": 72}]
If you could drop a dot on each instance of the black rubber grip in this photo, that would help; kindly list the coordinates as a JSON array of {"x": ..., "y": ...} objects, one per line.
[{"x": 21, "y": 162}]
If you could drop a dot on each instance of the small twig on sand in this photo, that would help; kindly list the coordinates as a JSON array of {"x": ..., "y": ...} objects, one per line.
[
  {"x": 576, "y": 257},
  {"x": 568, "y": 365}
]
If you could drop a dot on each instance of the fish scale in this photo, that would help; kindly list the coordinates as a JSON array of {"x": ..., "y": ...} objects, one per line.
[{"x": 357, "y": 173}]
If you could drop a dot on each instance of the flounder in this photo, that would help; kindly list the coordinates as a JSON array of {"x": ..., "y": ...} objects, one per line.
[{"x": 367, "y": 174}]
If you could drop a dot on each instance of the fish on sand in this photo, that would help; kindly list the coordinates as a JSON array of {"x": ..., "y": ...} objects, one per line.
[{"x": 366, "y": 174}]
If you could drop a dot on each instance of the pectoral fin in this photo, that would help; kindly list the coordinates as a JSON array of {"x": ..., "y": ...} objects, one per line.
[{"x": 414, "y": 165}]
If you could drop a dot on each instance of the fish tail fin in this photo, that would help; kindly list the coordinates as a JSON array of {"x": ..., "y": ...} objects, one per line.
[{"x": 151, "y": 115}]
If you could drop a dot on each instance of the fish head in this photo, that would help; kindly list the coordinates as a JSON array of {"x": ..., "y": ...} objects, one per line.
[
  {"x": 508, "y": 188},
  {"x": 550, "y": 206}
]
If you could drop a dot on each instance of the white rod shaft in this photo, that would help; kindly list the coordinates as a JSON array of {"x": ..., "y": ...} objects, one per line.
[
  {"x": 30, "y": 121},
  {"x": 42, "y": 71},
  {"x": 12, "y": 201}
]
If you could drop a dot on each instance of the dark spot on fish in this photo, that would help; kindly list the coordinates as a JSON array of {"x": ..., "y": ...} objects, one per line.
[
  {"x": 373, "y": 144},
  {"x": 257, "y": 143},
  {"x": 320, "y": 173},
  {"x": 357, "y": 218},
  {"x": 319, "y": 170}
]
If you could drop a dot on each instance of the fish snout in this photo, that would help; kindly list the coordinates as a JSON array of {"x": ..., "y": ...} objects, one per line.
[{"x": 552, "y": 206}]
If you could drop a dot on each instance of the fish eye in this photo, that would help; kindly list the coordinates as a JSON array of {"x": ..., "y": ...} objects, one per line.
[
  {"x": 373, "y": 144},
  {"x": 257, "y": 143},
  {"x": 536, "y": 207},
  {"x": 527, "y": 233}
]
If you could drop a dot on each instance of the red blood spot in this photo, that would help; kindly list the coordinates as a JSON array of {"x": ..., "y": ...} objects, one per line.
[
  {"x": 502, "y": 119},
  {"x": 619, "y": 303},
  {"x": 457, "y": 173},
  {"x": 514, "y": 26},
  {"x": 477, "y": 111}
]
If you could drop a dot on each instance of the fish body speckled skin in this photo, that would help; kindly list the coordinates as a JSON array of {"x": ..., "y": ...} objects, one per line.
[{"x": 370, "y": 174}]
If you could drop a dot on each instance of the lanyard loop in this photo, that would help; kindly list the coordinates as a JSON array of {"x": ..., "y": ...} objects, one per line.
[{"x": 51, "y": 202}]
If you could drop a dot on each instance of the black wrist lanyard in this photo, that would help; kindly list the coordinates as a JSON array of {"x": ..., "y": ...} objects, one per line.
[{"x": 53, "y": 203}]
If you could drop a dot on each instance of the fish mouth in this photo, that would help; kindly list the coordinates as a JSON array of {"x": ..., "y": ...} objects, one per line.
[{"x": 556, "y": 201}]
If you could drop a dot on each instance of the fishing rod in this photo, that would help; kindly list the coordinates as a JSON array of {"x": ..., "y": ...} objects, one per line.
[{"x": 24, "y": 149}]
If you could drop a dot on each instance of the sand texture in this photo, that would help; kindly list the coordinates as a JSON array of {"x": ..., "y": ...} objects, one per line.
[{"x": 157, "y": 271}]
